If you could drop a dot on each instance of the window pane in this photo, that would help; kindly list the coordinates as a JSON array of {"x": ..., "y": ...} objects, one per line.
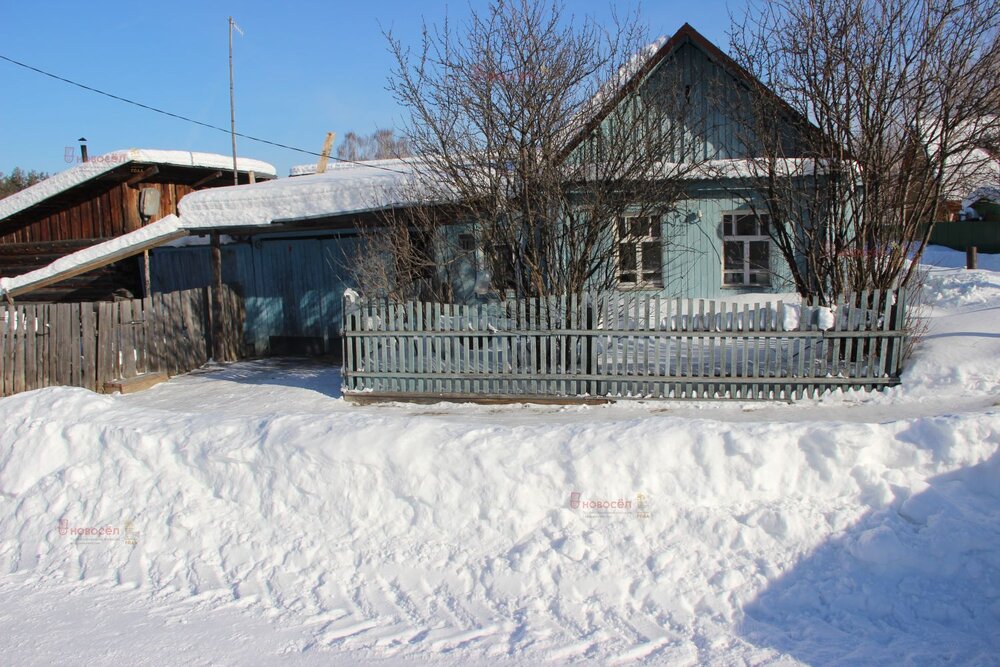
[
  {"x": 759, "y": 255},
  {"x": 466, "y": 242},
  {"x": 655, "y": 229},
  {"x": 622, "y": 230},
  {"x": 746, "y": 225},
  {"x": 626, "y": 277},
  {"x": 732, "y": 278},
  {"x": 639, "y": 227},
  {"x": 626, "y": 257},
  {"x": 734, "y": 255},
  {"x": 651, "y": 257},
  {"x": 727, "y": 228},
  {"x": 765, "y": 222}
]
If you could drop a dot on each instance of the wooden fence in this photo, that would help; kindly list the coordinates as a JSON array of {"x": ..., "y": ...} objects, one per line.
[
  {"x": 90, "y": 344},
  {"x": 619, "y": 346}
]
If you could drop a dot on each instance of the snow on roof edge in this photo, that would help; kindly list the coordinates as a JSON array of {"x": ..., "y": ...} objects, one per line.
[
  {"x": 101, "y": 164},
  {"x": 163, "y": 229}
]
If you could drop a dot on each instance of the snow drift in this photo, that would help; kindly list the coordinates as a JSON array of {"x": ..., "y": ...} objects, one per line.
[{"x": 840, "y": 530}]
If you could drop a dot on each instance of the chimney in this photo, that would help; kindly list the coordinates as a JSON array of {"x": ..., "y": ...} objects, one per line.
[{"x": 83, "y": 148}]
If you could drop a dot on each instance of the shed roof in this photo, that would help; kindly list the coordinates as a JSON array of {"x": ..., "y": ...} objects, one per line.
[{"x": 104, "y": 166}]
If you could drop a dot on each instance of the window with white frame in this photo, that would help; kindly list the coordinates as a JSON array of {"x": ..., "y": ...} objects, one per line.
[
  {"x": 746, "y": 249},
  {"x": 640, "y": 256}
]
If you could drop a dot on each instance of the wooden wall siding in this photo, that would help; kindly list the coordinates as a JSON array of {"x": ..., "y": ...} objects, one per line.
[
  {"x": 714, "y": 127},
  {"x": 692, "y": 253},
  {"x": 99, "y": 284},
  {"x": 107, "y": 213},
  {"x": 292, "y": 287},
  {"x": 89, "y": 344},
  {"x": 618, "y": 346}
]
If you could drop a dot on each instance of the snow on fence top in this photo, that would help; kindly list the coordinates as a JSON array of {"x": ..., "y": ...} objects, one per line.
[
  {"x": 102, "y": 164},
  {"x": 343, "y": 189}
]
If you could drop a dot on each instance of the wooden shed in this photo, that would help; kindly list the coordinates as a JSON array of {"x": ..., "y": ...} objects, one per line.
[{"x": 103, "y": 198}]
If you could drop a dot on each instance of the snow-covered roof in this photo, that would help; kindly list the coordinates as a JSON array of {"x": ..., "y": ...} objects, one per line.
[
  {"x": 153, "y": 234},
  {"x": 990, "y": 193},
  {"x": 343, "y": 189},
  {"x": 309, "y": 169},
  {"x": 101, "y": 164}
]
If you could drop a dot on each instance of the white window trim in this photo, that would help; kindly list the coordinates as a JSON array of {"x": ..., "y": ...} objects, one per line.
[
  {"x": 745, "y": 240},
  {"x": 636, "y": 244}
]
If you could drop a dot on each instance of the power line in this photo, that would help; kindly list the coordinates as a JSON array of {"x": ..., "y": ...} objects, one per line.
[{"x": 189, "y": 120}]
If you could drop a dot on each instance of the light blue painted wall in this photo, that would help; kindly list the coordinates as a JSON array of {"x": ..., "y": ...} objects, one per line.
[{"x": 292, "y": 286}]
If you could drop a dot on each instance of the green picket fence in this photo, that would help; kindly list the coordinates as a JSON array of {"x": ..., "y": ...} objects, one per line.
[{"x": 613, "y": 346}]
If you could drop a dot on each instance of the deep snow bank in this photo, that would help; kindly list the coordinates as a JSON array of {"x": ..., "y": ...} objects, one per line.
[
  {"x": 468, "y": 533},
  {"x": 418, "y": 535}
]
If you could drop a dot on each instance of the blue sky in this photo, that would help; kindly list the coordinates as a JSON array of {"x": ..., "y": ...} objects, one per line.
[{"x": 302, "y": 70}]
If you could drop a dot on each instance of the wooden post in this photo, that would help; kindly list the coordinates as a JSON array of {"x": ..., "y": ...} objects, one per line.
[
  {"x": 146, "y": 280},
  {"x": 971, "y": 257},
  {"x": 216, "y": 310},
  {"x": 325, "y": 155}
]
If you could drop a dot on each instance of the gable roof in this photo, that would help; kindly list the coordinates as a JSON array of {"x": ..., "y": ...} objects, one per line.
[
  {"x": 103, "y": 165},
  {"x": 685, "y": 35}
]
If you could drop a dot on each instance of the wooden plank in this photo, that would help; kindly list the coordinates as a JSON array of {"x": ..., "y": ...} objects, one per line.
[
  {"x": 6, "y": 349},
  {"x": 19, "y": 345},
  {"x": 103, "y": 344},
  {"x": 858, "y": 365},
  {"x": 678, "y": 326},
  {"x": 88, "y": 338},
  {"x": 144, "y": 175},
  {"x": 129, "y": 345},
  {"x": 140, "y": 336},
  {"x": 155, "y": 334},
  {"x": 59, "y": 340},
  {"x": 871, "y": 342},
  {"x": 187, "y": 352},
  {"x": 886, "y": 322},
  {"x": 40, "y": 331},
  {"x": 76, "y": 345},
  {"x": 30, "y": 349},
  {"x": 86, "y": 267},
  {"x": 134, "y": 384},
  {"x": 900, "y": 324},
  {"x": 852, "y": 313}
]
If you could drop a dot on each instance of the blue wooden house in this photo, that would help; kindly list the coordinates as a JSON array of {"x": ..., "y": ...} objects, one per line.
[{"x": 289, "y": 242}]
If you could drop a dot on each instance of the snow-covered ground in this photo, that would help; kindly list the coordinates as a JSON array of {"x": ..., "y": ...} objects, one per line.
[{"x": 250, "y": 515}]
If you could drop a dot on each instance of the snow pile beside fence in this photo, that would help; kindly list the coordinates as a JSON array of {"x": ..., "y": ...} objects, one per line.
[{"x": 557, "y": 536}]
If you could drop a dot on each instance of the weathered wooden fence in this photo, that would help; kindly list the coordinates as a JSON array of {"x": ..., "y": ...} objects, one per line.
[
  {"x": 89, "y": 344},
  {"x": 618, "y": 346}
]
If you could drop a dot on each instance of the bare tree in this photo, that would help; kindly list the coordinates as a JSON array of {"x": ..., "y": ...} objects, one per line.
[
  {"x": 543, "y": 135},
  {"x": 380, "y": 145},
  {"x": 409, "y": 253},
  {"x": 898, "y": 93}
]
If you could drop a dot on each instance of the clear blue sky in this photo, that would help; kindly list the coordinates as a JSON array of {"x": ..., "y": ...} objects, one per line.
[{"x": 302, "y": 69}]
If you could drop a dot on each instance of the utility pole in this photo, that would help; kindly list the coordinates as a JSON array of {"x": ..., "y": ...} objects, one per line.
[{"x": 232, "y": 98}]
